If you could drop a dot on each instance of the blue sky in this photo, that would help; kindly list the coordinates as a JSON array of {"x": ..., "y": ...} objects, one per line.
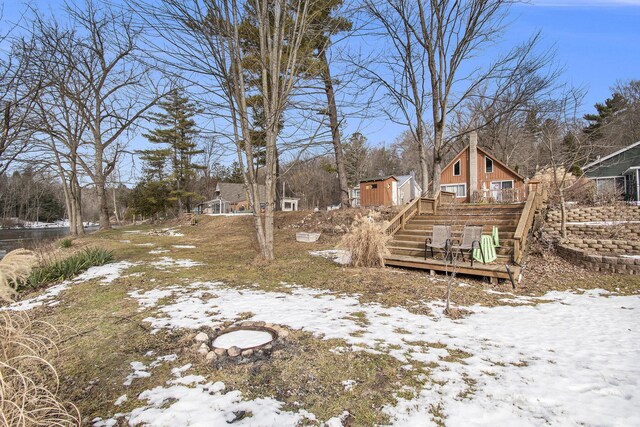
[{"x": 597, "y": 44}]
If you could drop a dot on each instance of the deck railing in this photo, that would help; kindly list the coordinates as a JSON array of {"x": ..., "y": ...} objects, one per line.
[{"x": 505, "y": 195}]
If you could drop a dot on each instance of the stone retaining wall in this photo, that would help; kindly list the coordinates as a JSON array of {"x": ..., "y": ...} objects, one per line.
[
  {"x": 597, "y": 213},
  {"x": 597, "y": 262},
  {"x": 600, "y": 247}
]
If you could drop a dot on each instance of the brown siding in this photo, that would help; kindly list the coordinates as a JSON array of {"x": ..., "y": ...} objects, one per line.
[
  {"x": 447, "y": 177},
  {"x": 380, "y": 196},
  {"x": 500, "y": 173}
]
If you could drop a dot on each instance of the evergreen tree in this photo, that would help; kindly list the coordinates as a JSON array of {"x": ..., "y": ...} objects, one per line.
[
  {"x": 355, "y": 152},
  {"x": 176, "y": 133},
  {"x": 606, "y": 112}
]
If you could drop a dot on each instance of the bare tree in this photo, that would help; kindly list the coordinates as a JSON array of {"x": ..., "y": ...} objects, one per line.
[
  {"x": 18, "y": 93},
  {"x": 202, "y": 39},
  {"x": 402, "y": 74},
  {"x": 565, "y": 144},
  {"x": 115, "y": 91},
  {"x": 444, "y": 36}
]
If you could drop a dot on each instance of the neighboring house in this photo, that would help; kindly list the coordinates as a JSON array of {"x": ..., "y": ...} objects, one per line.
[
  {"x": 230, "y": 197},
  {"x": 475, "y": 175},
  {"x": 408, "y": 189},
  {"x": 617, "y": 173}
]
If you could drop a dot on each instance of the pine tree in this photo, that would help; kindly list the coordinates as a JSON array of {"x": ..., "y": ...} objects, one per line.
[
  {"x": 177, "y": 133},
  {"x": 355, "y": 152}
]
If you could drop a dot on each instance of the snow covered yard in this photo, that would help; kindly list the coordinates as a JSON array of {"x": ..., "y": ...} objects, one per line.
[
  {"x": 571, "y": 361},
  {"x": 366, "y": 347}
]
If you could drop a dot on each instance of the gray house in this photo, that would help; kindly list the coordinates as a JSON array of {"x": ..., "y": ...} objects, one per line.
[{"x": 618, "y": 172}]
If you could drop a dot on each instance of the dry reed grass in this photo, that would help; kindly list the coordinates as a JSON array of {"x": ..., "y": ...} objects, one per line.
[
  {"x": 15, "y": 268},
  {"x": 366, "y": 241},
  {"x": 28, "y": 382}
]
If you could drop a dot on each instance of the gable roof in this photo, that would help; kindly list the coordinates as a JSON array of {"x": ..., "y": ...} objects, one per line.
[
  {"x": 602, "y": 159},
  {"x": 235, "y": 192},
  {"x": 487, "y": 154}
]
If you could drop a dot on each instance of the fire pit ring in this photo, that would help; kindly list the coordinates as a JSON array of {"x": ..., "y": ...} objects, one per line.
[{"x": 245, "y": 339}]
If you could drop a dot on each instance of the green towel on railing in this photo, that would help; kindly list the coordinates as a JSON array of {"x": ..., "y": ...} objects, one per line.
[{"x": 496, "y": 236}]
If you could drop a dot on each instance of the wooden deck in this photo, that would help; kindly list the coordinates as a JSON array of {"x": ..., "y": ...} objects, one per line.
[
  {"x": 493, "y": 271},
  {"x": 415, "y": 223}
]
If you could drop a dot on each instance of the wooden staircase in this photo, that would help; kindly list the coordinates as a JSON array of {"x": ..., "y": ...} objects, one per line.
[{"x": 414, "y": 225}]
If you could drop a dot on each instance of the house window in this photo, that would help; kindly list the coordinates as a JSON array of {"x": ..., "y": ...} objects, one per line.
[
  {"x": 459, "y": 189},
  {"x": 488, "y": 165},
  {"x": 457, "y": 166},
  {"x": 287, "y": 205},
  {"x": 611, "y": 186},
  {"x": 374, "y": 186}
]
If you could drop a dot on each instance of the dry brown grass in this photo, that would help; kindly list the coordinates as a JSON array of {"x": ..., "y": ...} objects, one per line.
[
  {"x": 28, "y": 382},
  {"x": 366, "y": 241},
  {"x": 15, "y": 268}
]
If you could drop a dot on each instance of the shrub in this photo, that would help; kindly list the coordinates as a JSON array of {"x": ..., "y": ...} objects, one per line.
[
  {"x": 67, "y": 268},
  {"x": 66, "y": 243},
  {"x": 15, "y": 268},
  {"x": 366, "y": 241},
  {"x": 28, "y": 382}
]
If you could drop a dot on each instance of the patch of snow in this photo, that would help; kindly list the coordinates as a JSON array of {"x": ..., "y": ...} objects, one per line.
[
  {"x": 108, "y": 273},
  {"x": 159, "y": 251},
  {"x": 184, "y": 246},
  {"x": 170, "y": 262},
  {"x": 631, "y": 256},
  {"x": 570, "y": 357},
  {"x": 47, "y": 298},
  {"x": 139, "y": 371},
  {"x": 338, "y": 256},
  {"x": 190, "y": 401},
  {"x": 242, "y": 339},
  {"x": 119, "y": 401},
  {"x": 150, "y": 298},
  {"x": 133, "y": 231},
  {"x": 124, "y": 241},
  {"x": 145, "y": 244}
]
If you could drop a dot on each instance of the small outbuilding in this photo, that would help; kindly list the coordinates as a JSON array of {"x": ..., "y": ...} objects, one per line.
[
  {"x": 381, "y": 191},
  {"x": 289, "y": 204}
]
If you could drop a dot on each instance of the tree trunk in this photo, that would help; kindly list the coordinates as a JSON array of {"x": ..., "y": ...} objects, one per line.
[
  {"x": 563, "y": 214},
  {"x": 105, "y": 223},
  {"x": 334, "y": 125}
]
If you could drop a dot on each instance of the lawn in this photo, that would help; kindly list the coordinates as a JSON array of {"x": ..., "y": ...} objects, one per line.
[{"x": 365, "y": 346}]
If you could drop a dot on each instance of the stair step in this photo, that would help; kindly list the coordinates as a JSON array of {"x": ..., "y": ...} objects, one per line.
[
  {"x": 401, "y": 250},
  {"x": 487, "y": 228},
  {"x": 417, "y": 235},
  {"x": 507, "y": 243}
]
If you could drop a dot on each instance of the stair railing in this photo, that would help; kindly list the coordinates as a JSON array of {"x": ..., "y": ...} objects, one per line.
[
  {"x": 416, "y": 207},
  {"x": 535, "y": 202}
]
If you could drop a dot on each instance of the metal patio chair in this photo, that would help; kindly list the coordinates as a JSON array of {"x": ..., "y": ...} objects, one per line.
[
  {"x": 470, "y": 241},
  {"x": 440, "y": 239}
]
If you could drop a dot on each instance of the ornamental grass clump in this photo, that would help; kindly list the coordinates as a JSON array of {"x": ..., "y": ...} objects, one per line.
[
  {"x": 366, "y": 241},
  {"x": 28, "y": 382},
  {"x": 15, "y": 269},
  {"x": 62, "y": 269}
]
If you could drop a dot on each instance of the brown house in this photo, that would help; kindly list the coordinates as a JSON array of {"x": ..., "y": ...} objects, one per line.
[
  {"x": 381, "y": 191},
  {"x": 476, "y": 176}
]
